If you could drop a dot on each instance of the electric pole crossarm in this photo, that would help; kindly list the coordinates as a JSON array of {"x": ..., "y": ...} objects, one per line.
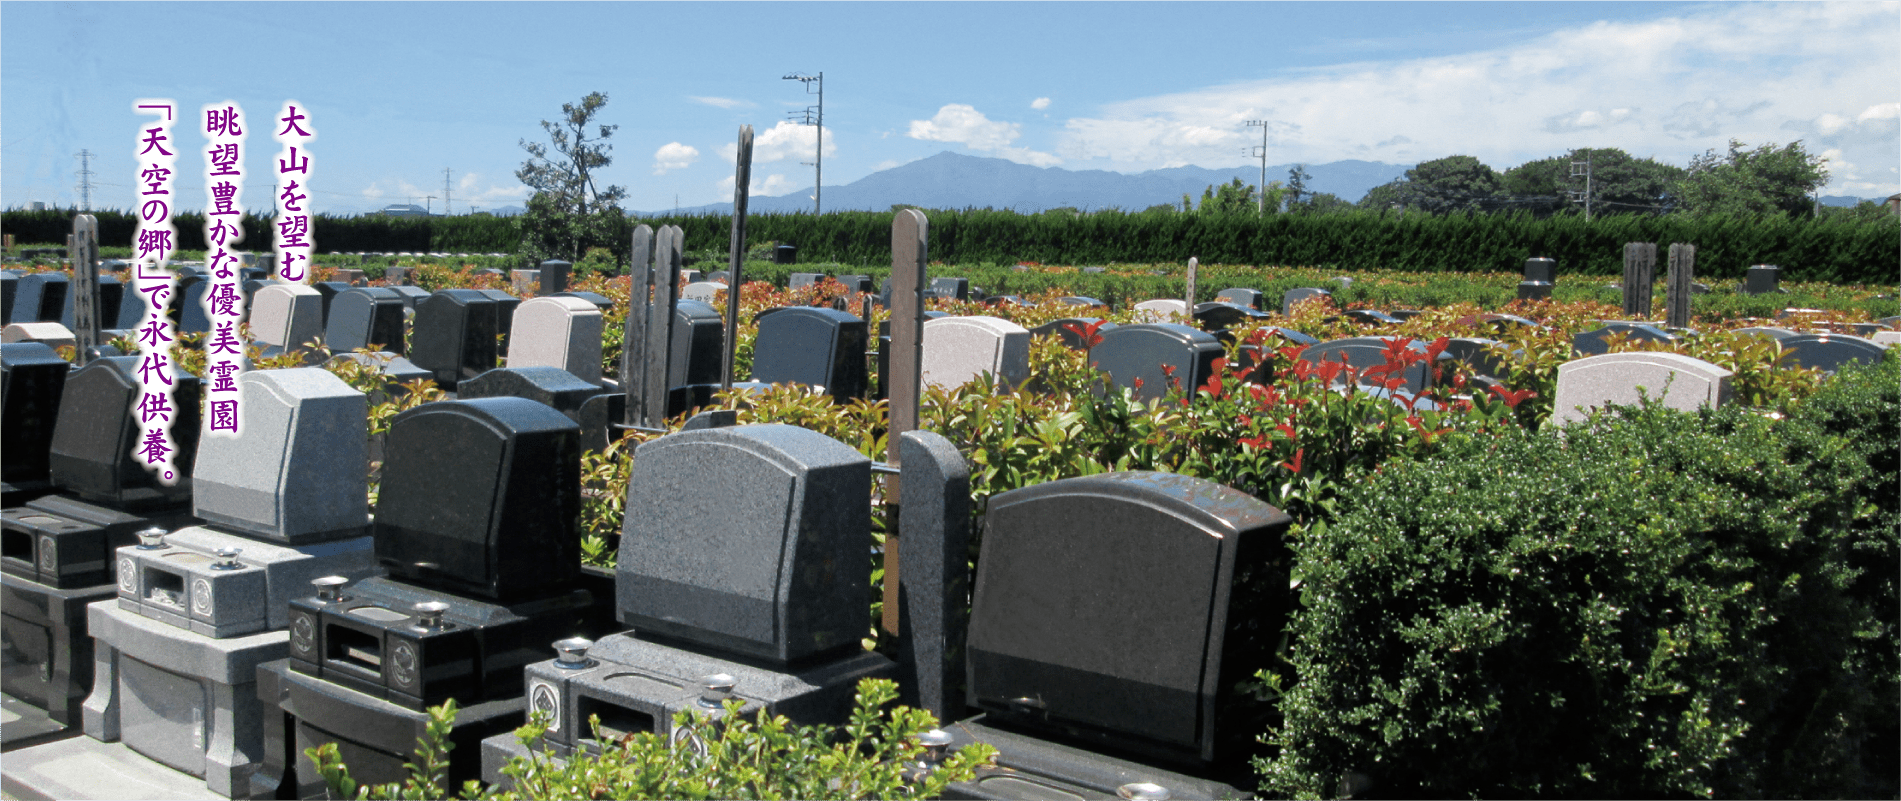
[{"x": 818, "y": 163}]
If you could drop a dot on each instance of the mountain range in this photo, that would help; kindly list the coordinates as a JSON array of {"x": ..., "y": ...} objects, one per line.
[{"x": 954, "y": 181}]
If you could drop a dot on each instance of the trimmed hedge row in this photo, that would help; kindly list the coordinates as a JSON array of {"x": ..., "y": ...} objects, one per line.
[
  {"x": 1837, "y": 249},
  {"x": 1647, "y": 604}
]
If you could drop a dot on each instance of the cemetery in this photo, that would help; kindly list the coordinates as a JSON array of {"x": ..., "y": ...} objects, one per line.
[{"x": 1005, "y": 531}]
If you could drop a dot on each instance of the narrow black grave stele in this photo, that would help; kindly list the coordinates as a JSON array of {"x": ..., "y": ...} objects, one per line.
[{"x": 477, "y": 524}]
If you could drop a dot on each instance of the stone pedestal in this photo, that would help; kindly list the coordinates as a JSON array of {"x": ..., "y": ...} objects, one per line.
[
  {"x": 49, "y": 656},
  {"x": 183, "y": 699},
  {"x": 1030, "y": 768}
]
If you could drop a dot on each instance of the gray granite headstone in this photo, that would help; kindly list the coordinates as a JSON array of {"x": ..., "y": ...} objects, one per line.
[
  {"x": 39, "y": 298},
  {"x": 558, "y": 332},
  {"x": 1366, "y": 354},
  {"x": 286, "y": 315},
  {"x": 749, "y": 540},
  {"x": 1241, "y": 296},
  {"x": 1148, "y": 352},
  {"x": 1596, "y": 342},
  {"x": 812, "y": 346},
  {"x": 1161, "y": 310},
  {"x": 935, "y": 532},
  {"x": 1620, "y": 379},
  {"x": 959, "y": 349},
  {"x": 295, "y": 474}
]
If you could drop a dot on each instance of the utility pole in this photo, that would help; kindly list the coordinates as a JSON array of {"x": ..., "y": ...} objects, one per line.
[
  {"x": 85, "y": 180},
  {"x": 818, "y": 167},
  {"x": 1262, "y": 152},
  {"x": 1582, "y": 169},
  {"x": 445, "y": 191}
]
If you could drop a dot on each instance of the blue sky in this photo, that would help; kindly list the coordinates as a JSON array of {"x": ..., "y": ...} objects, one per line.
[{"x": 399, "y": 91}]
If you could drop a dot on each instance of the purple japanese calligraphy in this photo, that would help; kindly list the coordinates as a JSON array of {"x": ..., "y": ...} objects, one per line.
[
  {"x": 293, "y": 130},
  {"x": 224, "y": 125},
  {"x": 157, "y": 153}
]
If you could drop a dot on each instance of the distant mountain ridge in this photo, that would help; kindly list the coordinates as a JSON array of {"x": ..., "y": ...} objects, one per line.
[{"x": 954, "y": 181}]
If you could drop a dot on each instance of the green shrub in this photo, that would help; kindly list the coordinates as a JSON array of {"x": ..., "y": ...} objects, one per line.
[
  {"x": 1648, "y": 603},
  {"x": 872, "y": 756}
]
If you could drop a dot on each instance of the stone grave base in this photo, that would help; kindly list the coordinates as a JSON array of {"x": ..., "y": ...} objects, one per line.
[
  {"x": 78, "y": 768},
  {"x": 25, "y": 725},
  {"x": 181, "y": 698},
  {"x": 374, "y": 736},
  {"x": 1029, "y": 768},
  {"x": 45, "y": 629}
]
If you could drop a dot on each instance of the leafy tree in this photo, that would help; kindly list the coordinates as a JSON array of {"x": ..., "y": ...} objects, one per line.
[
  {"x": 1297, "y": 178},
  {"x": 1236, "y": 197},
  {"x": 1766, "y": 180},
  {"x": 1619, "y": 183},
  {"x": 1452, "y": 183},
  {"x": 568, "y": 212},
  {"x": 1321, "y": 203},
  {"x": 1385, "y": 196}
]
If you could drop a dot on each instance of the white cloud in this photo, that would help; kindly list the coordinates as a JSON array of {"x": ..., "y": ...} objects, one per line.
[
  {"x": 786, "y": 140},
  {"x": 674, "y": 156},
  {"x": 723, "y": 102},
  {"x": 1040, "y": 103},
  {"x": 887, "y": 164},
  {"x": 962, "y": 124},
  {"x": 773, "y": 186},
  {"x": 1670, "y": 87}
]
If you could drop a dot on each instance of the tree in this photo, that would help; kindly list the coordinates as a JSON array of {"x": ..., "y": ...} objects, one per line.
[
  {"x": 1321, "y": 203},
  {"x": 1235, "y": 198},
  {"x": 1389, "y": 195},
  {"x": 1766, "y": 180},
  {"x": 1452, "y": 183},
  {"x": 1297, "y": 178},
  {"x": 1619, "y": 183},
  {"x": 568, "y": 212}
]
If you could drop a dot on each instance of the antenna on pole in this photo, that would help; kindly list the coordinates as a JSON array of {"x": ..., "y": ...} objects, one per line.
[
  {"x": 1262, "y": 152},
  {"x": 85, "y": 180},
  {"x": 818, "y": 167}
]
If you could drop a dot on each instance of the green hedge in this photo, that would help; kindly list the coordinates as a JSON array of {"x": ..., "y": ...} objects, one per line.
[
  {"x": 1647, "y": 604},
  {"x": 1835, "y": 248}
]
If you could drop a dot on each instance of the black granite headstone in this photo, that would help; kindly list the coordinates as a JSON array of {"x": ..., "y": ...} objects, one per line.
[
  {"x": 819, "y": 347},
  {"x": 1295, "y": 296},
  {"x": 554, "y": 276},
  {"x": 953, "y": 288},
  {"x": 505, "y": 305},
  {"x": 1073, "y": 331},
  {"x": 1130, "y": 354},
  {"x": 1368, "y": 353},
  {"x": 187, "y": 307},
  {"x": 454, "y": 335},
  {"x": 1597, "y": 342},
  {"x": 32, "y": 378},
  {"x": 1541, "y": 270},
  {"x": 1475, "y": 353},
  {"x": 111, "y": 293},
  {"x": 365, "y": 317},
  {"x": 1830, "y": 351},
  {"x": 330, "y": 290},
  {"x": 1761, "y": 279},
  {"x": 1241, "y": 296},
  {"x": 481, "y": 497},
  {"x": 98, "y": 432},
  {"x": 1126, "y": 611},
  {"x": 803, "y": 280},
  {"x": 1370, "y": 317},
  {"x": 1222, "y": 315},
  {"x": 551, "y": 386},
  {"x": 9, "y": 288},
  {"x": 39, "y": 297}
]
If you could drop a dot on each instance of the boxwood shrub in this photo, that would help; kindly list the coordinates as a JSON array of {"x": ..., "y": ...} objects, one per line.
[{"x": 1650, "y": 603}]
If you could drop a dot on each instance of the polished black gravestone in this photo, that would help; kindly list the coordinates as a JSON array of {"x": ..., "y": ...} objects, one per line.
[
  {"x": 952, "y": 288},
  {"x": 698, "y": 346},
  {"x": 812, "y": 346},
  {"x": 454, "y": 335},
  {"x": 39, "y": 297},
  {"x": 505, "y": 306},
  {"x": 1830, "y": 352},
  {"x": 477, "y": 526},
  {"x": 365, "y": 317},
  {"x": 743, "y": 555},
  {"x": 1294, "y": 297},
  {"x": 105, "y": 308},
  {"x": 58, "y": 549},
  {"x": 330, "y": 290},
  {"x": 1073, "y": 331},
  {"x": 1129, "y": 663},
  {"x": 1598, "y": 342},
  {"x": 1368, "y": 356},
  {"x": 9, "y": 284},
  {"x": 188, "y": 304},
  {"x": 551, "y": 386},
  {"x": 1240, "y": 296},
  {"x": 32, "y": 377},
  {"x": 1152, "y": 357},
  {"x": 1222, "y": 315},
  {"x": 1479, "y": 356}
]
